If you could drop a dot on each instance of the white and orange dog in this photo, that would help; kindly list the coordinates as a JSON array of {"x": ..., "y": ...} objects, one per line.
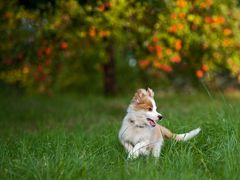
[{"x": 140, "y": 134}]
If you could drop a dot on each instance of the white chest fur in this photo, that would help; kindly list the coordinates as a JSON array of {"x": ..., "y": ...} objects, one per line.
[{"x": 133, "y": 133}]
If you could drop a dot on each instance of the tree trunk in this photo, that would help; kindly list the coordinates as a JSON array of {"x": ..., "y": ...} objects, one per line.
[{"x": 109, "y": 72}]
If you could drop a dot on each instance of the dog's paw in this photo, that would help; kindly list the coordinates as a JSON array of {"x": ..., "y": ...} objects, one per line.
[{"x": 133, "y": 155}]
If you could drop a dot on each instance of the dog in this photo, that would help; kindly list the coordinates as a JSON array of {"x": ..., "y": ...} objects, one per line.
[{"x": 140, "y": 134}]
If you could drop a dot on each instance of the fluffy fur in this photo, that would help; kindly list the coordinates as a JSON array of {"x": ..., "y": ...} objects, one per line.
[{"x": 140, "y": 134}]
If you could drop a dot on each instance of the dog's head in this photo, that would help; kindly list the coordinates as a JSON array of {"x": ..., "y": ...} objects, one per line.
[{"x": 144, "y": 106}]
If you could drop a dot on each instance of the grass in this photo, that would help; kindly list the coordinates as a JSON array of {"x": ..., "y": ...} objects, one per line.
[{"x": 74, "y": 137}]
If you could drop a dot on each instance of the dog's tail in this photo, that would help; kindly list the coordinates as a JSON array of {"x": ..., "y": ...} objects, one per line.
[
  {"x": 187, "y": 136},
  {"x": 179, "y": 137}
]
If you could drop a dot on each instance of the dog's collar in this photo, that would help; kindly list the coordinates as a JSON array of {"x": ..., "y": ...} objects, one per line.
[
  {"x": 137, "y": 126},
  {"x": 140, "y": 126}
]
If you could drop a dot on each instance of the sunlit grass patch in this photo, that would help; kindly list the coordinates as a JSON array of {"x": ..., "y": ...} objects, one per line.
[{"x": 72, "y": 137}]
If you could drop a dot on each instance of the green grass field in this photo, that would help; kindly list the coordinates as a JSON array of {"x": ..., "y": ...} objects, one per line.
[{"x": 74, "y": 137}]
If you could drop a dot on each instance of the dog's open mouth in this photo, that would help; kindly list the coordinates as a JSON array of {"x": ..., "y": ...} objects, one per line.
[{"x": 151, "y": 122}]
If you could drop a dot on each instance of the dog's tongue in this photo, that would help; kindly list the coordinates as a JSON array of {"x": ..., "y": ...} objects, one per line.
[{"x": 152, "y": 123}]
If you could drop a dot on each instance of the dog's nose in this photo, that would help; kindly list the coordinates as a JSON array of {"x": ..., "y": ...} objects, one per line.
[{"x": 159, "y": 117}]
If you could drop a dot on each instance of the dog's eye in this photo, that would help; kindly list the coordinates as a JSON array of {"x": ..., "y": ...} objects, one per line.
[{"x": 149, "y": 109}]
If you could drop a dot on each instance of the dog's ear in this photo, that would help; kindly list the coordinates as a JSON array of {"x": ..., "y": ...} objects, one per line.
[
  {"x": 139, "y": 95},
  {"x": 150, "y": 92}
]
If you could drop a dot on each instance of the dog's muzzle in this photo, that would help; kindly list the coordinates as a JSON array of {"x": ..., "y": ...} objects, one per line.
[
  {"x": 151, "y": 122},
  {"x": 159, "y": 117}
]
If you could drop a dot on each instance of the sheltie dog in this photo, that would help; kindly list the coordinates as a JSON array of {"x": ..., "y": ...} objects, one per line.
[{"x": 140, "y": 134}]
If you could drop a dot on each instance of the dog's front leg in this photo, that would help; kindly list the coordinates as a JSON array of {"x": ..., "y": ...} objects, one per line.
[
  {"x": 128, "y": 146},
  {"x": 156, "y": 151},
  {"x": 139, "y": 148}
]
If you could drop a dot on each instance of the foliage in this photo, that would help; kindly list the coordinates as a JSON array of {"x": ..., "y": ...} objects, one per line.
[
  {"x": 193, "y": 39},
  {"x": 66, "y": 45}
]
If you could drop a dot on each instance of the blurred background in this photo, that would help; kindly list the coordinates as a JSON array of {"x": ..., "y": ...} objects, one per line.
[{"x": 113, "y": 46}]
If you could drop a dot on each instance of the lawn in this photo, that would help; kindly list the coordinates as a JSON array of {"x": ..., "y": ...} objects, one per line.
[{"x": 75, "y": 137}]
